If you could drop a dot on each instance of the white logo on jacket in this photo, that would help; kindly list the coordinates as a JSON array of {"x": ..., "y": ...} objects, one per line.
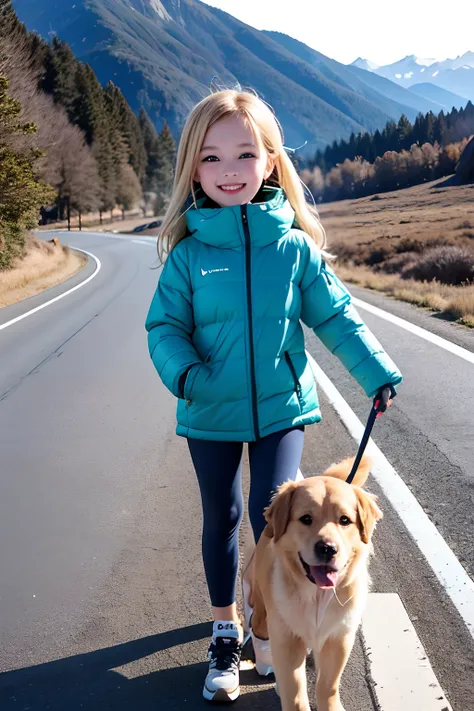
[{"x": 213, "y": 271}]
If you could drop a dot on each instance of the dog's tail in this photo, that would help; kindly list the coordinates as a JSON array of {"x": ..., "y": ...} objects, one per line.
[{"x": 342, "y": 470}]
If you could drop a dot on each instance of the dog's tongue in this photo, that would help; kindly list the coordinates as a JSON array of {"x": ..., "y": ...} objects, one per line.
[{"x": 323, "y": 577}]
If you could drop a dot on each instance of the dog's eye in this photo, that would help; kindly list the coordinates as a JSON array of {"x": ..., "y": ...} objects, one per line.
[
  {"x": 306, "y": 520},
  {"x": 345, "y": 521}
]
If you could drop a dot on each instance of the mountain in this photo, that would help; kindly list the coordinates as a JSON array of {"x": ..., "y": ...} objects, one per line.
[
  {"x": 455, "y": 75},
  {"x": 446, "y": 99},
  {"x": 407, "y": 70},
  {"x": 364, "y": 64},
  {"x": 413, "y": 103},
  {"x": 459, "y": 80},
  {"x": 356, "y": 81},
  {"x": 163, "y": 54}
]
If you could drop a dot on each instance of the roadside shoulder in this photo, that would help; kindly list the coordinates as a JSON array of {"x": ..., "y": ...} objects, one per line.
[
  {"x": 424, "y": 318},
  {"x": 24, "y": 306}
]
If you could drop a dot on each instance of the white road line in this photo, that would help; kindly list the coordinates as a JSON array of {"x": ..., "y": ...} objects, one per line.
[
  {"x": 401, "y": 671},
  {"x": 61, "y": 296},
  {"x": 417, "y": 330},
  {"x": 439, "y": 555},
  {"x": 151, "y": 243}
]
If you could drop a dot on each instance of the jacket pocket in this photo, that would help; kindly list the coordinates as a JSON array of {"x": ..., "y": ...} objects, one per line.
[
  {"x": 216, "y": 346},
  {"x": 296, "y": 382},
  {"x": 189, "y": 382},
  {"x": 197, "y": 388}
]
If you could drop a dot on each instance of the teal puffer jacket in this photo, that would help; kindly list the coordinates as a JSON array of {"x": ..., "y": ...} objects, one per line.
[{"x": 228, "y": 310}]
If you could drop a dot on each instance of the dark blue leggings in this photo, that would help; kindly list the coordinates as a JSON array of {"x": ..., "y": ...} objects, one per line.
[{"x": 273, "y": 460}]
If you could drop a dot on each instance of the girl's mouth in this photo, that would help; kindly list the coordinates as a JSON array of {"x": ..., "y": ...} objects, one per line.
[{"x": 234, "y": 188}]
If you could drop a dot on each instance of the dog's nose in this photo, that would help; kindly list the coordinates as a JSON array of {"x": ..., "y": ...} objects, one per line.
[{"x": 325, "y": 550}]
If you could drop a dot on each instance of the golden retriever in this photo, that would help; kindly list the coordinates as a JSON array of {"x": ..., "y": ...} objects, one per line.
[{"x": 311, "y": 580}]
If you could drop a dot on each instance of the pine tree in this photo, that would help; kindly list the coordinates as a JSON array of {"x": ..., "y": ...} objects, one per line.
[
  {"x": 439, "y": 128},
  {"x": 375, "y": 146},
  {"x": 365, "y": 142},
  {"x": 152, "y": 147},
  {"x": 59, "y": 76},
  {"x": 119, "y": 149},
  {"x": 90, "y": 112},
  {"x": 417, "y": 133},
  {"x": 168, "y": 159},
  {"x": 429, "y": 127},
  {"x": 404, "y": 132},
  {"x": 21, "y": 193},
  {"x": 128, "y": 126},
  {"x": 469, "y": 118},
  {"x": 352, "y": 146},
  {"x": 328, "y": 158}
]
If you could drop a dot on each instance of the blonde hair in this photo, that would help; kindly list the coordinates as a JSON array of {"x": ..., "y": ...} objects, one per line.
[{"x": 265, "y": 126}]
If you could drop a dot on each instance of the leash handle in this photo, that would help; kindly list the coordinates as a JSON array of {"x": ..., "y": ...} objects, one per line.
[
  {"x": 382, "y": 398},
  {"x": 363, "y": 443},
  {"x": 379, "y": 406}
]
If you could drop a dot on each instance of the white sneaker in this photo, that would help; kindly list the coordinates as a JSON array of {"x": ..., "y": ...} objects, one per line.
[
  {"x": 248, "y": 609},
  {"x": 263, "y": 655},
  {"x": 222, "y": 680}
]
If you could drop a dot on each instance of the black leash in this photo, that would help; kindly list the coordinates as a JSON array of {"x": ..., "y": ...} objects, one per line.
[{"x": 378, "y": 407}]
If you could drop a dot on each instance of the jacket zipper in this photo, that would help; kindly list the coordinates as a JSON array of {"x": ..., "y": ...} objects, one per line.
[
  {"x": 248, "y": 264},
  {"x": 298, "y": 390}
]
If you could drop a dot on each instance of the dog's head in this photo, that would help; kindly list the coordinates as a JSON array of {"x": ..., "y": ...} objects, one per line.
[{"x": 322, "y": 524}]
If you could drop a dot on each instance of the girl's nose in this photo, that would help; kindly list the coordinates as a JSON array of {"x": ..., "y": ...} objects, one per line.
[{"x": 231, "y": 171}]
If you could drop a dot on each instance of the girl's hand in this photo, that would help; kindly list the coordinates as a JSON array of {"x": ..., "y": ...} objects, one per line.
[{"x": 383, "y": 399}]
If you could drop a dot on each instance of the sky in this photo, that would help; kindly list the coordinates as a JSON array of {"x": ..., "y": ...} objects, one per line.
[{"x": 379, "y": 30}]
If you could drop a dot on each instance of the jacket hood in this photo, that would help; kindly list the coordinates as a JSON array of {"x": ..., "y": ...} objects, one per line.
[{"x": 269, "y": 219}]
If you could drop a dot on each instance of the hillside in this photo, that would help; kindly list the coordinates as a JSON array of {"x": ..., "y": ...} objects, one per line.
[
  {"x": 163, "y": 54},
  {"x": 446, "y": 99},
  {"x": 411, "y": 244},
  {"x": 387, "y": 95},
  {"x": 414, "y": 103}
]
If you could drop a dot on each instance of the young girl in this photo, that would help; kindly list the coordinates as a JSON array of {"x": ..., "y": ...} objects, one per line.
[{"x": 245, "y": 267}]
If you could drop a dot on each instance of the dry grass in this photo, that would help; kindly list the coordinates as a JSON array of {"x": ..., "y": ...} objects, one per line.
[
  {"x": 44, "y": 265},
  {"x": 433, "y": 213},
  {"x": 454, "y": 301},
  {"x": 422, "y": 212}
]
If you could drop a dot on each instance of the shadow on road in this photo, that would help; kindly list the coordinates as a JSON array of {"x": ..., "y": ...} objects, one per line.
[{"x": 90, "y": 681}]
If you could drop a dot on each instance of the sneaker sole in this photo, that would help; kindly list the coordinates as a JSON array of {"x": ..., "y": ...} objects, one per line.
[{"x": 221, "y": 695}]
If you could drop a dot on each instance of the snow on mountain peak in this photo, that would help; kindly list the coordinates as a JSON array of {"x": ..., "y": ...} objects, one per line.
[
  {"x": 365, "y": 64},
  {"x": 426, "y": 62},
  {"x": 454, "y": 75}
]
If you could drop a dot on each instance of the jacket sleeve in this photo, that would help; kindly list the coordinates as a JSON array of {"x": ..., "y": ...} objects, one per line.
[
  {"x": 170, "y": 323},
  {"x": 327, "y": 309}
]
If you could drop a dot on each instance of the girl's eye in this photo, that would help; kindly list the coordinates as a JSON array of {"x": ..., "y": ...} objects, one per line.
[
  {"x": 306, "y": 520},
  {"x": 212, "y": 159},
  {"x": 345, "y": 521}
]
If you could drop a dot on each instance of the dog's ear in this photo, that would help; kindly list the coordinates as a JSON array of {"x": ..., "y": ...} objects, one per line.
[
  {"x": 342, "y": 470},
  {"x": 278, "y": 513},
  {"x": 368, "y": 513}
]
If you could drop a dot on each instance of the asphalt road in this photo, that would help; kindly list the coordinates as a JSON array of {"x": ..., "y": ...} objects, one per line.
[{"x": 103, "y": 603}]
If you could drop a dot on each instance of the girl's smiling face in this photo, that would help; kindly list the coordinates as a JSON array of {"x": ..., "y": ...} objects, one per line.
[{"x": 232, "y": 162}]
